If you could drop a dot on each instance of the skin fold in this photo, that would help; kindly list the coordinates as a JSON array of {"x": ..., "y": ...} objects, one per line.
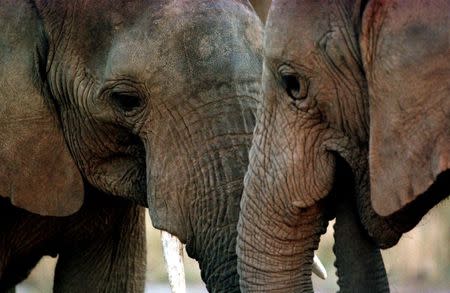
[
  {"x": 152, "y": 101},
  {"x": 342, "y": 96}
]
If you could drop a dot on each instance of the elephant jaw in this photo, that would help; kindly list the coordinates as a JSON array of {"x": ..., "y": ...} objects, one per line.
[{"x": 173, "y": 257}]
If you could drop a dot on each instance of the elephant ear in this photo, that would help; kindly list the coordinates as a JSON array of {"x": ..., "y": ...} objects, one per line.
[
  {"x": 37, "y": 172},
  {"x": 405, "y": 52}
]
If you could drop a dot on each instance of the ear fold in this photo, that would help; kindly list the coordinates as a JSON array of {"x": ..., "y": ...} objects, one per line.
[
  {"x": 405, "y": 51},
  {"x": 262, "y": 8},
  {"x": 36, "y": 169}
]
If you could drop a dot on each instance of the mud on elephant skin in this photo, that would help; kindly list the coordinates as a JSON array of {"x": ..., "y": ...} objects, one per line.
[
  {"x": 348, "y": 87},
  {"x": 153, "y": 101}
]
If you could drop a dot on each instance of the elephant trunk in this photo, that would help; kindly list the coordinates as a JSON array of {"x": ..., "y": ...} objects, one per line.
[
  {"x": 215, "y": 250},
  {"x": 195, "y": 171},
  {"x": 214, "y": 219},
  {"x": 276, "y": 242}
]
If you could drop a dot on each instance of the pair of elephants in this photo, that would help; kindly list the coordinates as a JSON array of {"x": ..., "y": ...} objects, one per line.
[{"x": 108, "y": 106}]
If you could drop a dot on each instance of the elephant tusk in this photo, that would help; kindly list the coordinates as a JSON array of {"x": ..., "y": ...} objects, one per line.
[
  {"x": 173, "y": 257},
  {"x": 318, "y": 268}
]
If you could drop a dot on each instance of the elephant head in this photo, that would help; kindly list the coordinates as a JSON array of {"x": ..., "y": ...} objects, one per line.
[
  {"x": 348, "y": 87},
  {"x": 149, "y": 100}
]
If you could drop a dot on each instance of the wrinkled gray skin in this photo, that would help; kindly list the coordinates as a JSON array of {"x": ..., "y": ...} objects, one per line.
[
  {"x": 329, "y": 66},
  {"x": 149, "y": 100}
]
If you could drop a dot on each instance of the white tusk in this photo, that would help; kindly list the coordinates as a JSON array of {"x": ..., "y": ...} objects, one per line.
[
  {"x": 318, "y": 268},
  {"x": 173, "y": 257}
]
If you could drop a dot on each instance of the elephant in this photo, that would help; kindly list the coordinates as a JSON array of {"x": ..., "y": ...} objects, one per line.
[
  {"x": 354, "y": 123},
  {"x": 261, "y": 8},
  {"x": 109, "y": 105},
  {"x": 100, "y": 248}
]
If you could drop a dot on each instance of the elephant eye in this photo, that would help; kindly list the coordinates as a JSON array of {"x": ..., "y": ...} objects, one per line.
[
  {"x": 295, "y": 88},
  {"x": 126, "y": 101}
]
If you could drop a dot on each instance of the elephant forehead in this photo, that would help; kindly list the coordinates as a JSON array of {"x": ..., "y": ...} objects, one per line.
[
  {"x": 295, "y": 28},
  {"x": 203, "y": 41}
]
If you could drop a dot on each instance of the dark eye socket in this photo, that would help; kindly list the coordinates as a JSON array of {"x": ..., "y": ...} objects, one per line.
[
  {"x": 295, "y": 87},
  {"x": 292, "y": 86},
  {"x": 126, "y": 101}
]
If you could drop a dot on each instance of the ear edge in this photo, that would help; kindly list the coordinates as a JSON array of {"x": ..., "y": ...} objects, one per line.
[
  {"x": 404, "y": 167},
  {"x": 32, "y": 147}
]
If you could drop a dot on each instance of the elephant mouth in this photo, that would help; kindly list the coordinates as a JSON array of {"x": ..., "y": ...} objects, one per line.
[
  {"x": 128, "y": 157},
  {"x": 353, "y": 185},
  {"x": 131, "y": 145},
  {"x": 344, "y": 184},
  {"x": 344, "y": 178},
  {"x": 122, "y": 172}
]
